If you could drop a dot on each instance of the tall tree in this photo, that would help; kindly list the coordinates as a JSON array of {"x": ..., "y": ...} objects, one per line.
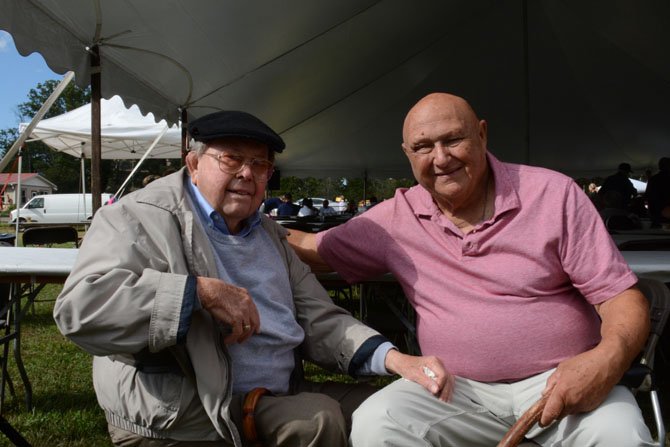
[
  {"x": 61, "y": 169},
  {"x": 71, "y": 98},
  {"x": 7, "y": 138}
]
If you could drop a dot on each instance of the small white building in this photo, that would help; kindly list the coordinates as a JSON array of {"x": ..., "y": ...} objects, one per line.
[{"x": 32, "y": 184}]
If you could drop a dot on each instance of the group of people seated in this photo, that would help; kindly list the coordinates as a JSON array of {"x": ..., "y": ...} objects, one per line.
[
  {"x": 283, "y": 206},
  {"x": 201, "y": 313},
  {"x": 622, "y": 207}
]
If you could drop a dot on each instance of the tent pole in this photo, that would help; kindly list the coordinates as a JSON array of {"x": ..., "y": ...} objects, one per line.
[
  {"x": 17, "y": 199},
  {"x": 96, "y": 142},
  {"x": 139, "y": 163},
  {"x": 83, "y": 177},
  {"x": 365, "y": 187},
  {"x": 184, "y": 135},
  {"x": 36, "y": 119}
]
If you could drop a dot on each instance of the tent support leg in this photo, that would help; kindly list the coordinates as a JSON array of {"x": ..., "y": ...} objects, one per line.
[
  {"x": 17, "y": 199},
  {"x": 139, "y": 163},
  {"x": 96, "y": 141},
  {"x": 184, "y": 135}
]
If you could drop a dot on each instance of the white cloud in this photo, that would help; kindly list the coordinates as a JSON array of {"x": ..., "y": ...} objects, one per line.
[{"x": 5, "y": 41}]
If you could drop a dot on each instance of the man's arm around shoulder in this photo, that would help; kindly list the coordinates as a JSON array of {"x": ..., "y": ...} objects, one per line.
[{"x": 305, "y": 246}]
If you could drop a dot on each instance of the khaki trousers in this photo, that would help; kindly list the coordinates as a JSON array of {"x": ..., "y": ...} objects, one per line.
[
  {"x": 318, "y": 415},
  {"x": 404, "y": 414}
]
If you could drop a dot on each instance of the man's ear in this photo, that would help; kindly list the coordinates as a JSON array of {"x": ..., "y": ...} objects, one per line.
[
  {"x": 483, "y": 132},
  {"x": 192, "y": 165}
]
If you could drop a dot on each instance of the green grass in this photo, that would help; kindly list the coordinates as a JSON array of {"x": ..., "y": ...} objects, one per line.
[{"x": 65, "y": 411}]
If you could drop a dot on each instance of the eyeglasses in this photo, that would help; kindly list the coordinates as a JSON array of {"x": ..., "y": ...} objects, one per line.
[{"x": 233, "y": 164}]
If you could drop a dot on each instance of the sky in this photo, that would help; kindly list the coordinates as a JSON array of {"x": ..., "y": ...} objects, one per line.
[{"x": 18, "y": 75}]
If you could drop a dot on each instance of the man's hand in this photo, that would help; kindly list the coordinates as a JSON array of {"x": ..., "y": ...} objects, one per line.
[
  {"x": 427, "y": 371},
  {"x": 584, "y": 381},
  {"x": 230, "y": 304},
  {"x": 579, "y": 384}
]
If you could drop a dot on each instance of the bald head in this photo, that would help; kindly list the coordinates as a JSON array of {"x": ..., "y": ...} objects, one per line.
[
  {"x": 435, "y": 107},
  {"x": 445, "y": 143}
]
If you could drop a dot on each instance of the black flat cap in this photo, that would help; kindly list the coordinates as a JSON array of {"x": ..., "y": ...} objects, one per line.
[{"x": 233, "y": 123}]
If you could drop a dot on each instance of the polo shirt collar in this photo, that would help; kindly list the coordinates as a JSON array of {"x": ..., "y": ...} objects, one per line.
[{"x": 507, "y": 197}]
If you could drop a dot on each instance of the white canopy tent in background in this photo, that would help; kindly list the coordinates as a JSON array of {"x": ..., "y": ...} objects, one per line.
[
  {"x": 571, "y": 85},
  {"x": 126, "y": 133}
]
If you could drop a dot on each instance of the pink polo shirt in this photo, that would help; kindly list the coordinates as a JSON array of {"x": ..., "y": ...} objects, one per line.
[{"x": 509, "y": 300}]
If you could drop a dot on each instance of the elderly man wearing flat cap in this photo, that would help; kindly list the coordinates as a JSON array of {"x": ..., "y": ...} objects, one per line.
[{"x": 198, "y": 312}]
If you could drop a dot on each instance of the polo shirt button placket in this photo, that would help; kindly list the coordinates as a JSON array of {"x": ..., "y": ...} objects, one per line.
[{"x": 468, "y": 248}]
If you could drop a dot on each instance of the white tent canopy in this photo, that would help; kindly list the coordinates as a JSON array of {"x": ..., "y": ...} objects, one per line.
[
  {"x": 571, "y": 85},
  {"x": 126, "y": 133}
]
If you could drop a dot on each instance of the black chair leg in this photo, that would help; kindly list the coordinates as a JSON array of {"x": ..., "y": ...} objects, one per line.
[{"x": 12, "y": 434}]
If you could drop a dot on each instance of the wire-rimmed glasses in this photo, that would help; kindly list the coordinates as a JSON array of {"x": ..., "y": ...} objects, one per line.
[{"x": 232, "y": 164}]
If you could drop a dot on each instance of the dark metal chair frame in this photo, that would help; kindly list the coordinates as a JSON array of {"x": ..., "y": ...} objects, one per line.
[{"x": 50, "y": 235}]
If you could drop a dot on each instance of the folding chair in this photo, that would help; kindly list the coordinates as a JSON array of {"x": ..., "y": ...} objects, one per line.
[
  {"x": 50, "y": 235},
  {"x": 385, "y": 308},
  {"x": 640, "y": 377},
  {"x": 7, "y": 336}
]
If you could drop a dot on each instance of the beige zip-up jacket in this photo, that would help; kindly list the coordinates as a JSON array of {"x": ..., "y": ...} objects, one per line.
[{"x": 125, "y": 293}]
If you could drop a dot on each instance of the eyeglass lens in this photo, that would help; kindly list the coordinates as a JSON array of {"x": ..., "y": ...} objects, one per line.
[{"x": 232, "y": 164}]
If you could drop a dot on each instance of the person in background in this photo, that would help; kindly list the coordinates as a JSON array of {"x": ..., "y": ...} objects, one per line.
[
  {"x": 592, "y": 189},
  {"x": 149, "y": 178},
  {"x": 615, "y": 214},
  {"x": 287, "y": 207},
  {"x": 658, "y": 194},
  {"x": 199, "y": 314},
  {"x": 351, "y": 207},
  {"x": 518, "y": 290},
  {"x": 365, "y": 205},
  {"x": 307, "y": 208},
  {"x": 269, "y": 205},
  {"x": 619, "y": 183},
  {"x": 326, "y": 209}
]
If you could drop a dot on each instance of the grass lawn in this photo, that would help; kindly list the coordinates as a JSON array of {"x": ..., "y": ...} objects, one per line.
[{"x": 65, "y": 411}]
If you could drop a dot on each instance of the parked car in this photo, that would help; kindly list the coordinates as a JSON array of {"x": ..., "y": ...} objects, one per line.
[{"x": 57, "y": 209}]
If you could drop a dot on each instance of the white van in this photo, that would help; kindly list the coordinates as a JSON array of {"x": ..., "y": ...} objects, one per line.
[{"x": 57, "y": 209}]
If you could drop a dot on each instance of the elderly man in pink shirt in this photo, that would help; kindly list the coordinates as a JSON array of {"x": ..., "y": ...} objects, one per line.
[{"x": 518, "y": 289}]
